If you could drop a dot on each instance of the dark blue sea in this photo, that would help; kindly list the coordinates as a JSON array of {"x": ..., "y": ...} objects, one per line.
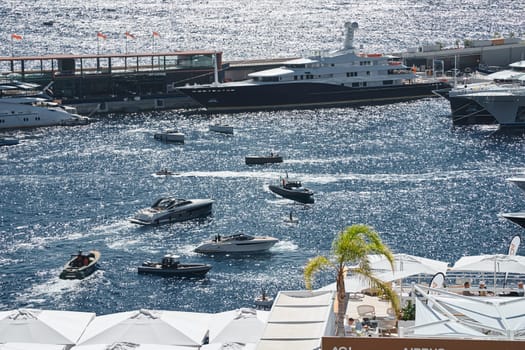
[{"x": 427, "y": 187}]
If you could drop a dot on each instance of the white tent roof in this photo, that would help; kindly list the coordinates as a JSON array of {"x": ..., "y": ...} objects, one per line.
[
  {"x": 31, "y": 346},
  {"x": 298, "y": 320},
  {"x": 285, "y": 331},
  {"x": 148, "y": 327},
  {"x": 306, "y": 344},
  {"x": 238, "y": 326},
  {"x": 430, "y": 323},
  {"x": 503, "y": 317},
  {"x": 43, "y": 326},
  {"x": 229, "y": 346},
  {"x": 405, "y": 265}
]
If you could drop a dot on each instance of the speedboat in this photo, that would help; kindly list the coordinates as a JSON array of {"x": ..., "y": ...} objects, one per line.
[
  {"x": 222, "y": 128},
  {"x": 170, "y": 209},
  {"x": 80, "y": 265},
  {"x": 8, "y": 141},
  {"x": 171, "y": 266},
  {"x": 271, "y": 158},
  {"x": 169, "y": 136},
  {"x": 164, "y": 172},
  {"x": 238, "y": 243},
  {"x": 294, "y": 190},
  {"x": 344, "y": 77}
]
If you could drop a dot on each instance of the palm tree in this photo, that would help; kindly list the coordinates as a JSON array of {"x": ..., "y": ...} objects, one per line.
[{"x": 352, "y": 246}]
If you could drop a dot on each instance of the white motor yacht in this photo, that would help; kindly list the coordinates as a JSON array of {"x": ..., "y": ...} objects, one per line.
[
  {"x": 35, "y": 112},
  {"x": 170, "y": 209},
  {"x": 238, "y": 243},
  {"x": 23, "y": 106}
]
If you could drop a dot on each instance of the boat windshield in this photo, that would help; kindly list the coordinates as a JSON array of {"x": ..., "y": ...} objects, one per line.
[
  {"x": 239, "y": 237},
  {"x": 168, "y": 203}
]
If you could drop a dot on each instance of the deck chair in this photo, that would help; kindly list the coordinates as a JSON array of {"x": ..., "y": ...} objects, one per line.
[
  {"x": 368, "y": 311},
  {"x": 386, "y": 326},
  {"x": 391, "y": 313}
]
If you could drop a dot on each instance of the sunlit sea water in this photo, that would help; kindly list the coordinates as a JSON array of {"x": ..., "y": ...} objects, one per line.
[{"x": 429, "y": 189}]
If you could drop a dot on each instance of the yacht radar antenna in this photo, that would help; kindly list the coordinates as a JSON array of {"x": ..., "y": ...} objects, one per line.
[{"x": 349, "y": 35}]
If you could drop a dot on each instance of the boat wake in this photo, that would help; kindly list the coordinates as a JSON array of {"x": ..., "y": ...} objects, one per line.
[{"x": 284, "y": 246}]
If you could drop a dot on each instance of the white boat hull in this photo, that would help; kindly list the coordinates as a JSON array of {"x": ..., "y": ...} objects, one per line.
[
  {"x": 195, "y": 208},
  {"x": 18, "y": 115},
  {"x": 248, "y": 246},
  {"x": 225, "y": 129},
  {"x": 170, "y": 137}
]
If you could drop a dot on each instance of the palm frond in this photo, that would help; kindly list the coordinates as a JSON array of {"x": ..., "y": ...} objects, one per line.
[{"x": 314, "y": 266}]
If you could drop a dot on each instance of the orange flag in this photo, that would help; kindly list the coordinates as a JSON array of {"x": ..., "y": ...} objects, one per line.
[
  {"x": 16, "y": 36},
  {"x": 129, "y": 35},
  {"x": 156, "y": 34},
  {"x": 103, "y": 36}
]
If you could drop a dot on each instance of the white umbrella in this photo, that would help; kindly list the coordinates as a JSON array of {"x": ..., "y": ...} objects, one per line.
[
  {"x": 238, "y": 326},
  {"x": 43, "y": 326},
  {"x": 491, "y": 263},
  {"x": 405, "y": 265},
  {"x": 148, "y": 327}
]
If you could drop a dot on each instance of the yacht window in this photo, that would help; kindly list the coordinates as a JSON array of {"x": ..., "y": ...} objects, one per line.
[
  {"x": 367, "y": 72},
  {"x": 388, "y": 82},
  {"x": 270, "y": 79},
  {"x": 355, "y": 84}
]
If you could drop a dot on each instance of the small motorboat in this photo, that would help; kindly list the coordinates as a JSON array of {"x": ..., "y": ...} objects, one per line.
[
  {"x": 294, "y": 190},
  {"x": 170, "y": 136},
  {"x": 222, "y": 128},
  {"x": 8, "y": 141},
  {"x": 238, "y": 243},
  {"x": 271, "y": 158},
  {"x": 171, "y": 266},
  {"x": 164, "y": 172},
  {"x": 170, "y": 209},
  {"x": 80, "y": 265}
]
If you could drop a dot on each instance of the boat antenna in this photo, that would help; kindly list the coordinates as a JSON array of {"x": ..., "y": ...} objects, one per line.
[{"x": 215, "y": 69}]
